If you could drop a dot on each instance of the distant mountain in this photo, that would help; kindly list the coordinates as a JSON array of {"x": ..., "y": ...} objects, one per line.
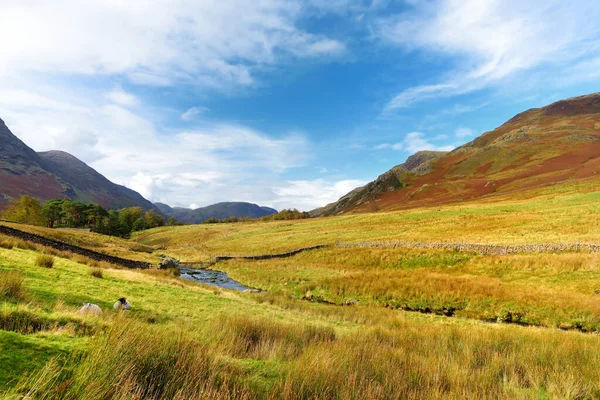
[
  {"x": 218, "y": 211},
  {"x": 56, "y": 174},
  {"x": 542, "y": 146}
]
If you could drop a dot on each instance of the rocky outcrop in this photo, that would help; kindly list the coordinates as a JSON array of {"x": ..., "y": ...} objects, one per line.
[{"x": 398, "y": 177}]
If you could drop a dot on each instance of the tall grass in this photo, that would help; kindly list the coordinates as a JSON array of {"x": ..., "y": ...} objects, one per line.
[
  {"x": 132, "y": 361},
  {"x": 97, "y": 273},
  {"x": 411, "y": 360},
  {"x": 11, "y": 285},
  {"x": 434, "y": 363},
  {"x": 245, "y": 337},
  {"x": 45, "y": 261}
]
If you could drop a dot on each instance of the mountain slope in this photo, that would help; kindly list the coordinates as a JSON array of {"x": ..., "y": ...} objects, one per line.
[
  {"x": 542, "y": 146},
  {"x": 218, "y": 211},
  {"x": 56, "y": 174}
]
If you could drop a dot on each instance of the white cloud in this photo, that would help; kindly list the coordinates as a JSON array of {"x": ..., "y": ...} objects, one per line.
[
  {"x": 392, "y": 146},
  {"x": 308, "y": 195},
  {"x": 488, "y": 41},
  {"x": 462, "y": 133},
  {"x": 122, "y": 98},
  {"x": 193, "y": 112},
  {"x": 416, "y": 141},
  {"x": 210, "y": 42},
  {"x": 207, "y": 164}
]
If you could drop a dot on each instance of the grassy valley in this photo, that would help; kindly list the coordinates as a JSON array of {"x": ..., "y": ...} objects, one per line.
[{"x": 339, "y": 322}]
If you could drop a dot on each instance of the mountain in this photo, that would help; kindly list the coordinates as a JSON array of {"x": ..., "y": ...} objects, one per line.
[
  {"x": 541, "y": 146},
  {"x": 218, "y": 211},
  {"x": 56, "y": 174}
]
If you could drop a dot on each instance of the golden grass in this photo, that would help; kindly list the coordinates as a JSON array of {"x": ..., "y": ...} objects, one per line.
[
  {"x": 11, "y": 285},
  {"x": 541, "y": 289},
  {"x": 45, "y": 261},
  {"x": 97, "y": 273},
  {"x": 554, "y": 215},
  {"x": 110, "y": 245}
]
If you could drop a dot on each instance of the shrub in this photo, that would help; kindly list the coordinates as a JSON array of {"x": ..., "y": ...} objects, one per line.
[
  {"x": 96, "y": 273},
  {"x": 11, "y": 285},
  {"x": 44, "y": 260}
]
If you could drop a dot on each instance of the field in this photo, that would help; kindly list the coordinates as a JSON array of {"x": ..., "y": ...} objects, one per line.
[{"x": 345, "y": 323}]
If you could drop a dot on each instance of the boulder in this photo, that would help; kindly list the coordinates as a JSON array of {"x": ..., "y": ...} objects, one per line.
[{"x": 168, "y": 263}]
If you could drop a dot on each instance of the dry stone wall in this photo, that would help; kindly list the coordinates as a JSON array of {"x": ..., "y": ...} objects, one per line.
[{"x": 61, "y": 246}]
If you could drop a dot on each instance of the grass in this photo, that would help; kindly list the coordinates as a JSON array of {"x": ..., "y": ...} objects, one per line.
[
  {"x": 184, "y": 340},
  {"x": 97, "y": 273},
  {"x": 110, "y": 245},
  {"x": 45, "y": 261},
  {"x": 549, "y": 215},
  {"x": 11, "y": 285}
]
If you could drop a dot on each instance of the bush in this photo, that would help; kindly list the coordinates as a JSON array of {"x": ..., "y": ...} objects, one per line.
[
  {"x": 44, "y": 260},
  {"x": 96, "y": 273},
  {"x": 11, "y": 285}
]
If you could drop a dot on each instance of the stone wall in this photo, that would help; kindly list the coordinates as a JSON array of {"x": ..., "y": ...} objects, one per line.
[
  {"x": 484, "y": 249},
  {"x": 61, "y": 246},
  {"x": 270, "y": 256}
]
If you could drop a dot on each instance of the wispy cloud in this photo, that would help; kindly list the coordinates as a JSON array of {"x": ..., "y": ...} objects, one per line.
[
  {"x": 487, "y": 41},
  {"x": 308, "y": 195},
  {"x": 123, "y": 98},
  {"x": 462, "y": 133},
  {"x": 211, "y": 42},
  {"x": 417, "y": 141},
  {"x": 193, "y": 112},
  {"x": 391, "y": 146}
]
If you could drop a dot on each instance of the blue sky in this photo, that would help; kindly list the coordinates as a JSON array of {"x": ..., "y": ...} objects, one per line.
[{"x": 278, "y": 102}]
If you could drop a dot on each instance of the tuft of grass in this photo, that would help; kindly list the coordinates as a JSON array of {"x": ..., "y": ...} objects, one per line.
[
  {"x": 45, "y": 261},
  {"x": 11, "y": 285},
  {"x": 96, "y": 273},
  {"x": 6, "y": 242}
]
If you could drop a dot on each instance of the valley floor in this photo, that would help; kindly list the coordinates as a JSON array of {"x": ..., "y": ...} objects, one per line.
[{"x": 346, "y": 323}]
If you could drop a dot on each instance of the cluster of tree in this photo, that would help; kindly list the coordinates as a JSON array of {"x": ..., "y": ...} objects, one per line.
[
  {"x": 283, "y": 215},
  {"x": 65, "y": 213},
  {"x": 287, "y": 215},
  {"x": 233, "y": 218}
]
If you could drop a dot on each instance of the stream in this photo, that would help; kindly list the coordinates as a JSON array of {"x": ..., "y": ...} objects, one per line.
[{"x": 213, "y": 278}]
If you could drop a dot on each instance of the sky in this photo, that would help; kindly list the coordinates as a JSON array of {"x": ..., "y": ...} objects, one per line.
[{"x": 287, "y": 104}]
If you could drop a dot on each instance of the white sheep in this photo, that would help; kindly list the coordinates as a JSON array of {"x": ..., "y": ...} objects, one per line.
[
  {"x": 122, "y": 304},
  {"x": 89, "y": 308}
]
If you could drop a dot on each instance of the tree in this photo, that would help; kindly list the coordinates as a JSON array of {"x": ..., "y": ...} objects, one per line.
[
  {"x": 52, "y": 211},
  {"x": 26, "y": 210},
  {"x": 138, "y": 225},
  {"x": 153, "y": 219},
  {"x": 127, "y": 217}
]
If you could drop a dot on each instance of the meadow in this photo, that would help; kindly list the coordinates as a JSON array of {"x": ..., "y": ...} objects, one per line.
[{"x": 333, "y": 323}]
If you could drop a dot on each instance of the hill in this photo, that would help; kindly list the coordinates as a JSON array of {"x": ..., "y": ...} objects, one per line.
[
  {"x": 218, "y": 211},
  {"x": 56, "y": 174},
  {"x": 539, "y": 147}
]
